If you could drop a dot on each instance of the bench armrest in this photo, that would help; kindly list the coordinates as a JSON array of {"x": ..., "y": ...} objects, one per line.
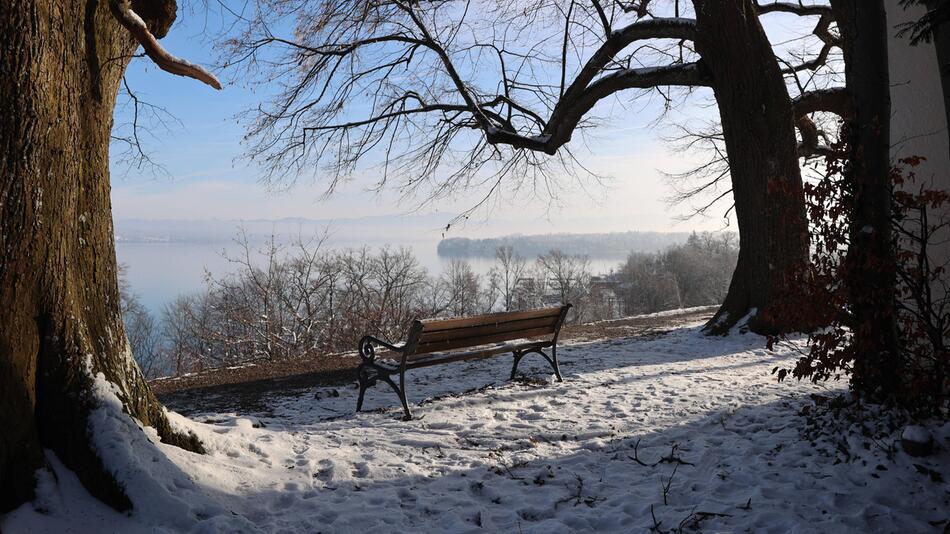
[{"x": 368, "y": 349}]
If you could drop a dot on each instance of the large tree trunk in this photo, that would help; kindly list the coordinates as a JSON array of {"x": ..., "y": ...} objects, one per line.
[
  {"x": 758, "y": 126},
  {"x": 871, "y": 261},
  {"x": 60, "y": 325}
]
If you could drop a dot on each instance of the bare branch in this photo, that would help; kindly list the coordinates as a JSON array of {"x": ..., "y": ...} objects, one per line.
[
  {"x": 793, "y": 8},
  {"x": 836, "y": 100},
  {"x": 603, "y": 17},
  {"x": 823, "y": 32},
  {"x": 569, "y": 111},
  {"x": 122, "y": 11}
]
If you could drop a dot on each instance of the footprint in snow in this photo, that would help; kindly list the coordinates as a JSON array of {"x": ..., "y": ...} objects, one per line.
[
  {"x": 360, "y": 470},
  {"x": 257, "y": 450},
  {"x": 283, "y": 502},
  {"x": 325, "y": 473}
]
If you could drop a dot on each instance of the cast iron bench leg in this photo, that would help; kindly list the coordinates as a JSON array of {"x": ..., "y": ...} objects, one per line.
[
  {"x": 552, "y": 360},
  {"x": 365, "y": 381},
  {"x": 361, "y": 374},
  {"x": 514, "y": 368},
  {"x": 401, "y": 392}
]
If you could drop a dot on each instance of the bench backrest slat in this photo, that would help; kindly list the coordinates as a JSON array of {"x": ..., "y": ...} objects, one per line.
[
  {"x": 438, "y": 335},
  {"x": 432, "y": 325},
  {"x": 487, "y": 329}
]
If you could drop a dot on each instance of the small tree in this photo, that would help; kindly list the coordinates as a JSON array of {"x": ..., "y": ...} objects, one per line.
[
  {"x": 463, "y": 291},
  {"x": 919, "y": 365},
  {"x": 509, "y": 270},
  {"x": 569, "y": 278}
]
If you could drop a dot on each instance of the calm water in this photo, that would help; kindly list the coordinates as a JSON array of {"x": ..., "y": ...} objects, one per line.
[{"x": 159, "y": 272}]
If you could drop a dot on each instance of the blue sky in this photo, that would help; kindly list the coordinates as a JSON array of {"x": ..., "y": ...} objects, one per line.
[{"x": 206, "y": 177}]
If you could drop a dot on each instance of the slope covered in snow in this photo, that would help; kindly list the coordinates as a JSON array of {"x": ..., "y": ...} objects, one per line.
[{"x": 664, "y": 432}]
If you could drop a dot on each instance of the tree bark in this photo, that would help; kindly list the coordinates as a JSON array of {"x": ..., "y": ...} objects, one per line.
[
  {"x": 871, "y": 260},
  {"x": 758, "y": 126},
  {"x": 60, "y": 324}
]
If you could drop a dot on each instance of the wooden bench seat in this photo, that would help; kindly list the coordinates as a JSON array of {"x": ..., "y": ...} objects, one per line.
[{"x": 438, "y": 341}]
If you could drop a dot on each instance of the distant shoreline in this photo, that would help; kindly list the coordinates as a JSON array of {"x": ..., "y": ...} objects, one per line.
[{"x": 601, "y": 245}]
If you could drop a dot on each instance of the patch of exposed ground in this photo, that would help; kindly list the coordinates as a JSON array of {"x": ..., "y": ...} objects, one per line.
[{"x": 245, "y": 385}]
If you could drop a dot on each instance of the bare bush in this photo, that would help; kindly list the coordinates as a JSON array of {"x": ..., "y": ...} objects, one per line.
[
  {"x": 292, "y": 300},
  {"x": 140, "y": 327},
  {"x": 694, "y": 274}
]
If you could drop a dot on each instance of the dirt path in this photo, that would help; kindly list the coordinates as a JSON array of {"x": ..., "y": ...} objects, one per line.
[{"x": 246, "y": 385}]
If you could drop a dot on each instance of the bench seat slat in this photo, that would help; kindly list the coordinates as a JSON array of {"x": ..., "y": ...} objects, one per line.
[
  {"x": 435, "y": 358},
  {"x": 464, "y": 342},
  {"x": 391, "y": 359}
]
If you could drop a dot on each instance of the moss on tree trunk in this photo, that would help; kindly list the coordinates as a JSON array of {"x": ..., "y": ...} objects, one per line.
[
  {"x": 60, "y": 323},
  {"x": 758, "y": 127}
]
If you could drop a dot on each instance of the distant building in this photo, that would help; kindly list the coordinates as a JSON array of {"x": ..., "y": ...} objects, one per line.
[{"x": 605, "y": 301}]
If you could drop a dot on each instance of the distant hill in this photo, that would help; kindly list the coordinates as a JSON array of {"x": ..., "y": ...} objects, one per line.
[
  {"x": 615, "y": 244},
  {"x": 378, "y": 229}
]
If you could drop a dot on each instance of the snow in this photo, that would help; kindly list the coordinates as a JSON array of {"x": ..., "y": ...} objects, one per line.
[
  {"x": 660, "y": 314},
  {"x": 916, "y": 433},
  {"x": 594, "y": 453}
]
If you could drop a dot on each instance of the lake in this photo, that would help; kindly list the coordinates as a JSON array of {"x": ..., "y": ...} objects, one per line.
[{"x": 158, "y": 272}]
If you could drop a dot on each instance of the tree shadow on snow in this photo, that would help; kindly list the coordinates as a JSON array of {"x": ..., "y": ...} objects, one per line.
[
  {"x": 578, "y": 362},
  {"x": 729, "y": 467}
]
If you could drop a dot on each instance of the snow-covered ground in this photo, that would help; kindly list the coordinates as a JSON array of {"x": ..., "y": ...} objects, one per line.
[{"x": 676, "y": 431}]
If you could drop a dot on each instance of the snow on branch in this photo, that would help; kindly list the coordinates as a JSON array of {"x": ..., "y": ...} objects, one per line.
[
  {"x": 836, "y": 100},
  {"x": 794, "y": 8},
  {"x": 122, "y": 11}
]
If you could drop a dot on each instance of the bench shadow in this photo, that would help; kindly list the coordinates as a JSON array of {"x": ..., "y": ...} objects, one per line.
[{"x": 678, "y": 345}]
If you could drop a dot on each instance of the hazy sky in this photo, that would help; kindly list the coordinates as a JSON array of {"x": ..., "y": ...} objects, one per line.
[{"x": 206, "y": 177}]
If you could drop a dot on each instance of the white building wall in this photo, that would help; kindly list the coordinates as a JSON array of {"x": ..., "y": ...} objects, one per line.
[{"x": 918, "y": 118}]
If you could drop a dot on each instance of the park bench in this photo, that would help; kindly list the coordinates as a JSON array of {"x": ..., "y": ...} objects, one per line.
[{"x": 438, "y": 341}]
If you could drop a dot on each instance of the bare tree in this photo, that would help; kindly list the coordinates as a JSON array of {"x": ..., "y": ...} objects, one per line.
[
  {"x": 489, "y": 94},
  {"x": 509, "y": 269},
  {"x": 568, "y": 276},
  {"x": 323, "y": 301},
  {"x": 141, "y": 329},
  {"x": 812, "y": 64},
  {"x": 693, "y": 274},
  {"x": 293, "y": 300},
  {"x": 463, "y": 288},
  {"x": 190, "y": 336}
]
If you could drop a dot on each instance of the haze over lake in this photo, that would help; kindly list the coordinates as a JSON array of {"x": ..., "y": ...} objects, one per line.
[{"x": 167, "y": 258}]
